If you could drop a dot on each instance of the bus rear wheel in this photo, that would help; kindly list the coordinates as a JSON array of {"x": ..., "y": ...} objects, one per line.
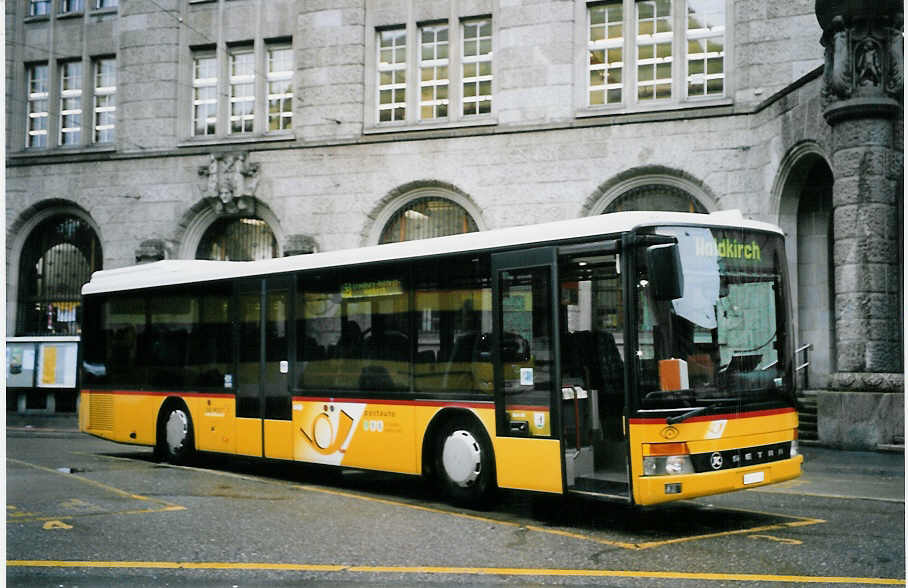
[
  {"x": 464, "y": 464},
  {"x": 176, "y": 443}
]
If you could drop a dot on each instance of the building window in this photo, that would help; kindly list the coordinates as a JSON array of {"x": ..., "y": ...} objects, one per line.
[
  {"x": 238, "y": 239},
  {"x": 58, "y": 256},
  {"x": 280, "y": 88},
  {"x": 477, "y": 67},
  {"x": 706, "y": 48},
  {"x": 105, "y": 100},
  {"x": 606, "y": 53},
  {"x": 676, "y": 51},
  {"x": 38, "y": 7},
  {"x": 70, "y": 6},
  {"x": 392, "y": 75},
  {"x": 70, "y": 103},
  {"x": 242, "y": 90},
  {"x": 204, "y": 95},
  {"x": 656, "y": 197},
  {"x": 99, "y": 4},
  {"x": 433, "y": 72},
  {"x": 36, "y": 135},
  {"x": 427, "y": 217}
]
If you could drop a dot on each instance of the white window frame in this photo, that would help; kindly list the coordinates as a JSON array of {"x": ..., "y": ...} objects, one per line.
[
  {"x": 283, "y": 100},
  {"x": 395, "y": 90},
  {"x": 72, "y": 6},
  {"x": 479, "y": 82},
  {"x": 681, "y": 80},
  {"x": 242, "y": 56},
  {"x": 38, "y": 91},
  {"x": 70, "y": 101},
  {"x": 104, "y": 100},
  {"x": 39, "y": 7},
  {"x": 200, "y": 83},
  {"x": 434, "y": 71},
  {"x": 437, "y": 101}
]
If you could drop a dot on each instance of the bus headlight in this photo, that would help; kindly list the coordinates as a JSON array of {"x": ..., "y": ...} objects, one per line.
[{"x": 669, "y": 465}]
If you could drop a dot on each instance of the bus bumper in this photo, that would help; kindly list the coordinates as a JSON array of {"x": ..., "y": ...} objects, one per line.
[{"x": 656, "y": 489}]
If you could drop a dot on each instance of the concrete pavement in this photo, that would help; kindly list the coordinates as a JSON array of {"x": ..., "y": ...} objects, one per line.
[{"x": 871, "y": 475}]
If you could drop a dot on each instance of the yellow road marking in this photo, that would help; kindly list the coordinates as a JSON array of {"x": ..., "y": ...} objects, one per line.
[
  {"x": 31, "y": 517},
  {"x": 451, "y": 570}
]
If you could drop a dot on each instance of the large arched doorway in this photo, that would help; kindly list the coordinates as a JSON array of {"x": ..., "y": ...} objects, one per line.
[
  {"x": 237, "y": 239},
  {"x": 815, "y": 282},
  {"x": 57, "y": 258},
  {"x": 425, "y": 217}
]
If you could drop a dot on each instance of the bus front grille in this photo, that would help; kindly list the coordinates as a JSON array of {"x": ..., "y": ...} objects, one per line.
[{"x": 100, "y": 412}]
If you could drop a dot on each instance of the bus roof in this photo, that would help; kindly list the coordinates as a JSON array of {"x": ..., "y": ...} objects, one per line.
[{"x": 185, "y": 271}]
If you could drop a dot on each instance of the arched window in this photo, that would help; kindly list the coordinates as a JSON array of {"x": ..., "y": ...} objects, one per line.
[
  {"x": 427, "y": 217},
  {"x": 656, "y": 197},
  {"x": 238, "y": 239},
  {"x": 58, "y": 257}
]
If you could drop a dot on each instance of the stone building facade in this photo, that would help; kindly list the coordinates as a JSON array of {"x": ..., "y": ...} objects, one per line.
[{"x": 324, "y": 120}]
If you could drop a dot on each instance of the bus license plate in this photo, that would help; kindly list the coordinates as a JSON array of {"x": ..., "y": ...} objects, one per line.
[{"x": 753, "y": 478}]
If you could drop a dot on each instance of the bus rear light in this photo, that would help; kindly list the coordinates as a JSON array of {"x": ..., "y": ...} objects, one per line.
[{"x": 793, "y": 452}]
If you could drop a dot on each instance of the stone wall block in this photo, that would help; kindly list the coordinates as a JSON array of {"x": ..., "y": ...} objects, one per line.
[
  {"x": 846, "y": 191},
  {"x": 859, "y": 420},
  {"x": 850, "y": 355},
  {"x": 846, "y": 220},
  {"x": 851, "y": 133},
  {"x": 861, "y": 160}
]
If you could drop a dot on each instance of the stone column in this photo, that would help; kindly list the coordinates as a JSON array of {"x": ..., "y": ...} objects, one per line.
[{"x": 862, "y": 95}]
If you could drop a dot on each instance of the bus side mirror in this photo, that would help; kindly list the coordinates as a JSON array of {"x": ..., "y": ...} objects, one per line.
[{"x": 663, "y": 264}]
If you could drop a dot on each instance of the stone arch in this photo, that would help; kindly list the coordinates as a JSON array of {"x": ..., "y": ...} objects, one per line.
[
  {"x": 18, "y": 233},
  {"x": 640, "y": 177},
  {"x": 198, "y": 218},
  {"x": 400, "y": 196},
  {"x": 802, "y": 200}
]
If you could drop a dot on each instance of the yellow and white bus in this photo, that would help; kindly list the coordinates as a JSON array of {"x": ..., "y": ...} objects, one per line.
[{"x": 639, "y": 356}]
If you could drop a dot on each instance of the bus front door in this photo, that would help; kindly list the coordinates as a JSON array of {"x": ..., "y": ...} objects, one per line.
[
  {"x": 525, "y": 342},
  {"x": 263, "y": 401},
  {"x": 591, "y": 312}
]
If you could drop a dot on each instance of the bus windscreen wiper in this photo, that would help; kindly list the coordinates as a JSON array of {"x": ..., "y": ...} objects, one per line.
[{"x": 674, "y": 420}]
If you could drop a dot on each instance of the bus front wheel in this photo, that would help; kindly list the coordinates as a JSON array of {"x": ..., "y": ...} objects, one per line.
[
  {"x": 464, "y": 464},
  {"x": 175, "y": 444}
]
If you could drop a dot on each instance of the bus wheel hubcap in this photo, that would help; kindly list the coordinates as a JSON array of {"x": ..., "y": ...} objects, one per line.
[
  {"x": 176, "y": 430},
  {"x": 462, "y": 458}
]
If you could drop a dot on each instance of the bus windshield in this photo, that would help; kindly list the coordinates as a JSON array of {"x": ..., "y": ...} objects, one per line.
[{"x": 723, "y": 343}]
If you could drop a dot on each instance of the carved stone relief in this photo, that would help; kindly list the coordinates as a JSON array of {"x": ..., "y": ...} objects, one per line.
[{"x": 230, "y": 183}]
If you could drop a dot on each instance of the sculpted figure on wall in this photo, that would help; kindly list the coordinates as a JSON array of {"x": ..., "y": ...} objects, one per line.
[{"x": 231, "y": 182}]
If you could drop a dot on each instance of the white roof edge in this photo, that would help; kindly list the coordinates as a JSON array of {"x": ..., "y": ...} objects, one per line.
[{"x": 182, "y": 271}]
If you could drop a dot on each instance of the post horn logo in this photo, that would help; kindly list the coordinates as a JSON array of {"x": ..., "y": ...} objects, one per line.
[
  {"x": 324, "y": 439},
  {"x": 669, "y": 433}
]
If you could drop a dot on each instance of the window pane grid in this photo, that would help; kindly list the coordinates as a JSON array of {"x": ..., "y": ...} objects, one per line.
[
  {"x": 280, "y": 88},
  {"x": 477, "y": 67},
  {"x": 705, "y": 48},
  {"x": 606, "y": 53},
  {"x": 242, "y": 92},
  {"x": 204, "y": 96},
  {"x": 36, "y": 135},
  {"x": 654, "y": 50},
  {"x": 38, "y": 7},
  {"x": 433, "y": 83},
  {"x": 392, "y": 75},
  {"x": 67, "y": 6},
  {"x": 105, "y": 100},
  {"x": 70, "y": 103}
]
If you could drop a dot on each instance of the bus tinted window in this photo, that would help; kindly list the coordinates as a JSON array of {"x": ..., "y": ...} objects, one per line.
[
  {"x": 453, "y": 326},
  {"x": 353, "y": 331},
  {"x": 123, "y": 328},
  {"x": 210, "y": 355},
  {"x": 174, "y": 317}
]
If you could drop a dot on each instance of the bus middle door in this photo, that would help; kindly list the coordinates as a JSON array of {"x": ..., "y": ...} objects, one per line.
[
  {"x": 527, "y": 448},
  {"x": 263, "y": 401}
]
